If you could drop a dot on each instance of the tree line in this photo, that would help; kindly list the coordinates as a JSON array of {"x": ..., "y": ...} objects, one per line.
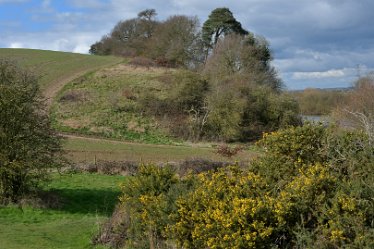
[{"x": 177, "y": 41}]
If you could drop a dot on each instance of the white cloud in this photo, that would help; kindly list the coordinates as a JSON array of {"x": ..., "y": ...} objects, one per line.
[
  {"x": 333, "y": 73},
  {"x": 81, "y": 48},
  {"x": 16, "y": 45},
  {"x": 78, "y": 42}
]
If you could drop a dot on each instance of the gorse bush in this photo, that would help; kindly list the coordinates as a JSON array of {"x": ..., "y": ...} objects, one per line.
[
  {"x": 149, "y": 199},
  {"x": 310, "y": 189},
  {"x": 297, "y": 144},
  {"x": 228, "y": 209}
]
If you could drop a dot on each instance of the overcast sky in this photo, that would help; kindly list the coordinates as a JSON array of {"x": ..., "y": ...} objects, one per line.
[{"x": 316, "y": 43}]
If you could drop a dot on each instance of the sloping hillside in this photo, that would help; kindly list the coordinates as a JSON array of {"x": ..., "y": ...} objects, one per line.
[
  {"x": 107, "y": 103},
  {"x": 57, "y": 68}
]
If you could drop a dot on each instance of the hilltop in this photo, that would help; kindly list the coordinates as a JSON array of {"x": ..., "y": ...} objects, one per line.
[{"x": 57, "y": 68}]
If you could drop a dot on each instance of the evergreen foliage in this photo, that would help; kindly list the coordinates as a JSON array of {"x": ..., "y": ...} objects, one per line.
[{"x": 220, "y": 22}]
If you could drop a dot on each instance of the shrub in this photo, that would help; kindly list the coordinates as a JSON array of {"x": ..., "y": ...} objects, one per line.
[
  {"x": 142, "y": 62},
  {"x": 313, "y": 188},
  {"x": 228, "y": 209},
  {"x": 324, "y": 182},
  {"x": 29, "y": 147},
  {"x": 301, "y": 144},
  {"x": 358, "y": 111},
  {"x": 113, "y": 231},
  {"x": 287, "y": 150},
  {"x": 148, "y": 199},
  {"x": 226, "y": 151}
]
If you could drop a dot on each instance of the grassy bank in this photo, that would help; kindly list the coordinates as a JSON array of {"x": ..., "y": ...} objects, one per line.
[{"x": 81, "y": 202}]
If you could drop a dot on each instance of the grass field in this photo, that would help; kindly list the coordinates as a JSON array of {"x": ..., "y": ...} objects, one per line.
[
  {"x": 86, "y": 200},
  {"x": 54, "y": 66},
  {"x": 88, "y": 150}
]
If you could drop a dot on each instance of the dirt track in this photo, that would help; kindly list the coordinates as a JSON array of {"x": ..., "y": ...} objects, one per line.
[{"x": 51, "y": 91}]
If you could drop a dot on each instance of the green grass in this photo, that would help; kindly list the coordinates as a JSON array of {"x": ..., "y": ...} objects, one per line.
[
  {"x": 87, "y": 150},
  {"x": 54, "y": 66},
  {"x": 87, "y": 199}
]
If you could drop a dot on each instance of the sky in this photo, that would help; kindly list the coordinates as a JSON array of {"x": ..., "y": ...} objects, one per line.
[{"x": 315, "y": 43}]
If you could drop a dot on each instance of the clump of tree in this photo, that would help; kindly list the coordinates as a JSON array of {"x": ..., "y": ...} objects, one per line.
[
  {"x": 173, "y": 42},
  {"x": 233, "y": 94},
  {"x": 29, "y": 148},
  {"x": 128, "y": 37}
]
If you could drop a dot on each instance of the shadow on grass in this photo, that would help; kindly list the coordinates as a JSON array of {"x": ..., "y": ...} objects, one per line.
[{"x": 88, "y": 201}]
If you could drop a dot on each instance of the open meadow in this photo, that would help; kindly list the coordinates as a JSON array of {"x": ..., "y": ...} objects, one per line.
[
  {"x": 84, "y": 149},
  {"x": 69, "y": 215},
  {"x": 54, "y": 66}
]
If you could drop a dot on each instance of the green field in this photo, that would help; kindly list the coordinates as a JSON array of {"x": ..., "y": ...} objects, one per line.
[
  {"x": 85, "y": 200},
  {"x": 89, "y": 150},
  {"x": 54, "y": 66}
]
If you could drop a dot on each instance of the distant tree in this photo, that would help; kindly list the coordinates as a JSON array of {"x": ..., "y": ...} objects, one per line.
[
  {"x": 29, "y": 147},
  {"x": 247, "y": 57},
  {"x": 147, "y": 21},
  {"x": 131, "y": 37},
  {"x": 314, "y": 101},
  {"x": 358, "y": 111},
  {"x": 148, "y": 14},
  {"x": 176, "y": 41},
  {"x": 128, "y": 37},
  {"x": 221, "y": 21},
  {"x": 105, "y": 46}
]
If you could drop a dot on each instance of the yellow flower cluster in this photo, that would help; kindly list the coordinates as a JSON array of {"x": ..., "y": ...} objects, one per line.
[{"x": 227, "y": 210}]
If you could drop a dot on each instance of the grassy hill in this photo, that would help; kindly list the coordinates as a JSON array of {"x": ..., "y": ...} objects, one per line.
[
  {"x": 56, "y": 67},
  {"x": 93, "y": 93},
  {"x": 106, "y": 103}
]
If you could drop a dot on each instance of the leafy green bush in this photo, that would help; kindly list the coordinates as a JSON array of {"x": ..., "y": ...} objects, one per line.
[
  {"x": 149, "y": 199},
  {"x": 29, "y": 148},
  {"x": 301, "y": 144}
]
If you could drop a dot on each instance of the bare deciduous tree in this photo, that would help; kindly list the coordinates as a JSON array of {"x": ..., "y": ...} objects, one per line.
[{"x": 359, "y": 111}]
